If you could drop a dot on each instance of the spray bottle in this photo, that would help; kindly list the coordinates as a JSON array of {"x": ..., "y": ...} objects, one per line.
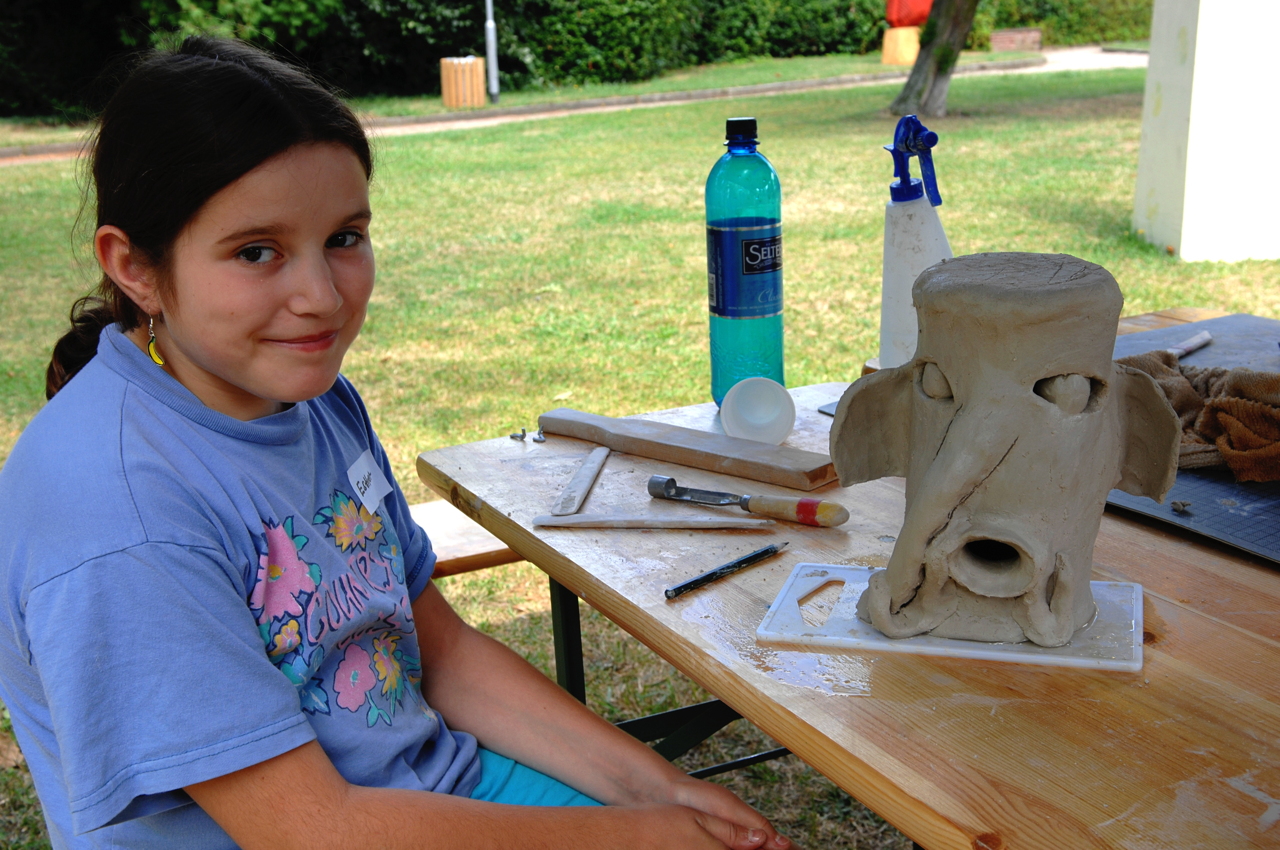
[{"x": 913, "y": 238}]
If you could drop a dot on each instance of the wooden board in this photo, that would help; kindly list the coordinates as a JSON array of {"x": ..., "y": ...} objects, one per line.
[
  {"x": 956, "y": 754},
  {"x": 1165, "y": 318},
  {"x": 783, "y": 465},
  {"x": 636, "y": 521}
]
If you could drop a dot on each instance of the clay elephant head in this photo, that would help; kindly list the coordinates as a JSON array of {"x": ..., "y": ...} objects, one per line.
[{"x": 1011, "y": 425}]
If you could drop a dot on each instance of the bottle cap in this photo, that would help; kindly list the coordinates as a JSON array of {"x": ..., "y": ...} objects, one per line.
[
  {"x": 740, "y": 128},
  {"x": 758, "y": 409},
  {"x": 911, "y": 138}
]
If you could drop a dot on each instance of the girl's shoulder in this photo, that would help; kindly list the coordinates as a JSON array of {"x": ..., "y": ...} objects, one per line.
[
  {"x": 64, "y": 484},
  {"x": 75, "y": 437}
]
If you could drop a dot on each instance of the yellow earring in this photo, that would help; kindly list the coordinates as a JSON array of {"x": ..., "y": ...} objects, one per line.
[{"x": 151, "y": 343}]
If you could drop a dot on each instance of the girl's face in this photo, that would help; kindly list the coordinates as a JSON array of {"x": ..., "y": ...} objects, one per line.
[{"x": 270, "y": 283}]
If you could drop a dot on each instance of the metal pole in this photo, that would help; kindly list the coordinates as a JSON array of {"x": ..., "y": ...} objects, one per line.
[
  {"x": 491, "y": 49},
  {"x": 566, "y": 625}
]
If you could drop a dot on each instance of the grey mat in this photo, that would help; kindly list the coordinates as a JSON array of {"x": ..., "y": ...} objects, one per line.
[{"x": 1244, "y": 515}]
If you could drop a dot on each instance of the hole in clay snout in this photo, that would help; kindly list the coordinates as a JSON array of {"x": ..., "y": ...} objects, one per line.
[
  {"x": 992, "y": 553},
  {"x": 991, "y": 567}
]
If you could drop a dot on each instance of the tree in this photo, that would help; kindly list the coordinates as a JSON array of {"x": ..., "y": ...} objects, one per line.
[{"x": 941, "y": 40}]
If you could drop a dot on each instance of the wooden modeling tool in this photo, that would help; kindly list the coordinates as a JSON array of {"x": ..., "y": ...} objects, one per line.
[
  {"x": 781, "y": 465},
  {"x": 575, "y": 492},
  {"x": 1187, "y": 346},
  {"x": 725, "y": 570},
  {"x": 817, "y": 512},
  {"x": 624, "y": 521}
]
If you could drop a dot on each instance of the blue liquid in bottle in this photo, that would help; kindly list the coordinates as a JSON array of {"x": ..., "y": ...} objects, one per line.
[{"x": 744, "y": 263}]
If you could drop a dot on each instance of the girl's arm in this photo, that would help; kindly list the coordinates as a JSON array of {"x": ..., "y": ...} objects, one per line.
[
  {"x": 482, "y": 687},
  {"x": 299, "y": 800}
]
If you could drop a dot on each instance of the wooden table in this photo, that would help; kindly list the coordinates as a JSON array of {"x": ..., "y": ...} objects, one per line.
[{"x": 955, "y": 753}]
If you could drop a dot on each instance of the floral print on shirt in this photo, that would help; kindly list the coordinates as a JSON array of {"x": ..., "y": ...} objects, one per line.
[{"x": 352, "y": 608}]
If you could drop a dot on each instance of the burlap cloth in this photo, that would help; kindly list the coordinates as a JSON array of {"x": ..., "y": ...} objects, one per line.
[{"x": 1229, "y": 417}]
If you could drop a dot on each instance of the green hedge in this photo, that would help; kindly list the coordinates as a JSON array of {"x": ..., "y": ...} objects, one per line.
[
  {"x": 50, "y": 50},
  {"x": 596, "y": 41},
  {"x": 604, "y": 41},
  {"x": 1064, "y": 22}
]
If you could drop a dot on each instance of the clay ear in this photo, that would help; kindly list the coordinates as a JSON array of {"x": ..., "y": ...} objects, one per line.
[
  {"x": 871, "y": 435},
  {"x": 1152, "y": 433}
]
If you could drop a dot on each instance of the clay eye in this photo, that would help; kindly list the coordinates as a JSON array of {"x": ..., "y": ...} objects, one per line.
[
  {"x": 934, "y": 383},
  {"x": 1069, "y": 392}
]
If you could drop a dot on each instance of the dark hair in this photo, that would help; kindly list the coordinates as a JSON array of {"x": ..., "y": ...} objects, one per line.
[{"x": 183, "y": 125}]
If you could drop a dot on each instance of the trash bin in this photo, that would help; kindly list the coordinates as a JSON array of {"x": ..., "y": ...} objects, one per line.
[{"x": 462, "y": 82}]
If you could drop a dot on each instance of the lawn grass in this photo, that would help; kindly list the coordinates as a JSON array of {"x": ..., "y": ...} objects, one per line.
[
  {"x": 562, "y": 261},
  {"x": 744, "y": 72}
]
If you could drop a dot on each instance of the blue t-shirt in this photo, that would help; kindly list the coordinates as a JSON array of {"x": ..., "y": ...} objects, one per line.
[{"x": 183, "y": 595}]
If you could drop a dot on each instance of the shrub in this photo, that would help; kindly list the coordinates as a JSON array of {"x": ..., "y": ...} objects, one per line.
[
  {"x": 52, "y": 50},
  {"x": 816, "y": 27},
  {"x": 734, "y": 29},
  {"x": 1064, "y": 22},
  {"x": 600, "y": 41}
]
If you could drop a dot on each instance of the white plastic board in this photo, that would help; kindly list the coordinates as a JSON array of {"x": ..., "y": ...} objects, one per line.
[{"x": 1113, "y": 641}]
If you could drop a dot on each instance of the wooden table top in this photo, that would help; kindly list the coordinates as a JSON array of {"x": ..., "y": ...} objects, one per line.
[{"x": 955, "y": 753}]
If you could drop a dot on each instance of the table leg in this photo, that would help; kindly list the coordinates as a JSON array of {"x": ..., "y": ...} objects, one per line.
[
  {"x": 566, "y": 625},
  {"x": 680, "y": 730}
]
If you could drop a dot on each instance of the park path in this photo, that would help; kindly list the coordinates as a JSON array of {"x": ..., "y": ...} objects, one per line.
[{"x": 1089, "y": 58}]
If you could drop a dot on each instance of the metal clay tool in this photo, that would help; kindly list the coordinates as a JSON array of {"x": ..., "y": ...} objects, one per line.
[{"x": 817, "y": 512}]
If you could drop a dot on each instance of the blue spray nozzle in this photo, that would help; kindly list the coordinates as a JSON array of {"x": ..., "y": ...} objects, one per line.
[{"x": 912, "y": 138}]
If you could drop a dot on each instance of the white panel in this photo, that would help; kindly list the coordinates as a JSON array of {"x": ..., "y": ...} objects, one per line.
[
  {"x": 1232, "y": 181},
  {"x": 1166, "y": 114}
]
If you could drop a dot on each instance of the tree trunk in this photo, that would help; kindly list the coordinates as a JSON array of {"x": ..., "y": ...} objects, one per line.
[{"x": 941, "y": 41}]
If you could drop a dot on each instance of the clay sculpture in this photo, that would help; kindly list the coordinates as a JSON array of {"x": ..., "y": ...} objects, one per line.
[{"x": 1011, "y": 425}]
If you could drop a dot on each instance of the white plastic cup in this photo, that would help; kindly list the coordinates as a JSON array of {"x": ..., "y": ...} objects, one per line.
[{"x": 758, "y": 409}]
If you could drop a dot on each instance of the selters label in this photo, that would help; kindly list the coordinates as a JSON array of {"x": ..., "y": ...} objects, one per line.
[{"x": 744, "y": 271}]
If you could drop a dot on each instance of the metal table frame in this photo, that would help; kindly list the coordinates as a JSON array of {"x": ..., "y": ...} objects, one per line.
[{"x": 676, "y": 731}]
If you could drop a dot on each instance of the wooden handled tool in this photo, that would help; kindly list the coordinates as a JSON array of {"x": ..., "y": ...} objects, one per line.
[
  {"x": 781, "y": 465},
  {"x": 817, "y": 512}
]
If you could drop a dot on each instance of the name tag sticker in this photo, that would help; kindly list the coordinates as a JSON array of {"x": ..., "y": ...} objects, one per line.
[{"x": 370, "y": 484}]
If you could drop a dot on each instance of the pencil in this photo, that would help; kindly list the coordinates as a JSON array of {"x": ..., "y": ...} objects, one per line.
[{"x": 722, "y": 571}]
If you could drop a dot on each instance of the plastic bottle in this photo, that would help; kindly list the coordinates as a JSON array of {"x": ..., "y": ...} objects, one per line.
[
  {"x": 744, "y": 262},
  {"x": 913, "y": 239}
]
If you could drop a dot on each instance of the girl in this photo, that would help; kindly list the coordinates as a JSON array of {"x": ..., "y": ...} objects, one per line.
[{"x": 217, "y": 625}]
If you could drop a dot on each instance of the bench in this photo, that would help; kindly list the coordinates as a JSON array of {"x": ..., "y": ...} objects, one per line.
[{"x": 461, "y": 546}]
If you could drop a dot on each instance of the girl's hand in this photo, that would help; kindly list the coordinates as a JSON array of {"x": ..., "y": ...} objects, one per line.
[
  {"x": 725, "y": 806},
  {"x": 685, "y": 828}
]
